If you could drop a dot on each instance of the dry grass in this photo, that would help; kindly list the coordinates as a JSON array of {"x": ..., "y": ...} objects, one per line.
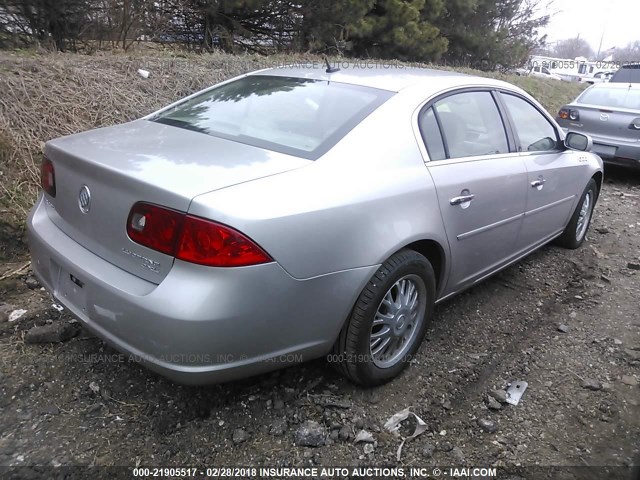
[{"x": 45, "y": 96}]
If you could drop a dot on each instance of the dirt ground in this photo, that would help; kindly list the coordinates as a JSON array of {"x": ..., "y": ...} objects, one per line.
[{"x": 566, "y": 322}]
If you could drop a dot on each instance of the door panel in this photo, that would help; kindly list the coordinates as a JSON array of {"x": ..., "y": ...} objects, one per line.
[
  {"x": 552, "y": 188},
  {"x": 551, "y": 172},
  {"x": 482, "y": 232},
  {"x": 481, "y": 186}
]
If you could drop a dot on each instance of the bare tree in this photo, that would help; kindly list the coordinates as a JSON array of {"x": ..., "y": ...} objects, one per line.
[
  {"x": 572, "y": 48},
  {"x": 630, "y": 53}
]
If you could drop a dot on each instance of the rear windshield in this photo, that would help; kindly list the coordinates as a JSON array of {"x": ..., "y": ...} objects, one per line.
[
  {"x": 289, "y": 115},
  {"x": 612, "y": 97}
]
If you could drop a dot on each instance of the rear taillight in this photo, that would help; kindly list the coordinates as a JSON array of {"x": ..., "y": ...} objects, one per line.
[
  {"x": 209, "y": 243},
  {"x": 568, "y": 114},
  {"x": 155, "y": 227},
  {"x": 192, "y": 239},
  {"x": 48, "y": 177},
  {"x": 635, "y": 125}
]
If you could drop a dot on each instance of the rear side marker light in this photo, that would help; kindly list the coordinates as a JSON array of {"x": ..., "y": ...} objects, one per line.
[
  {"x": 192, "y": 239},
  {"x": 48, "y": 176}
]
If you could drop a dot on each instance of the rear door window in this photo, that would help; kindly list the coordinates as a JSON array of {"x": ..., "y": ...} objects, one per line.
[
  {"x": 471, "y": 125},
  {"x": 432, "y": 136}
]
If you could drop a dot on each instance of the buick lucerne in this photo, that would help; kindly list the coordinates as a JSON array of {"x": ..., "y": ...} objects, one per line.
[{"x": 292, "y": 213}]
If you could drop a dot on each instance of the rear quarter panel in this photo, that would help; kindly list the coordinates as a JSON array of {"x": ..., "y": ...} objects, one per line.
[{"x": 365, "y": 199}]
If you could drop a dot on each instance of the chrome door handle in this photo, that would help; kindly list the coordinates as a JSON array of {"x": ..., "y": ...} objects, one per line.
[
  {"x": 462, "y": 199},
  {"x": 538, "y": 183}
]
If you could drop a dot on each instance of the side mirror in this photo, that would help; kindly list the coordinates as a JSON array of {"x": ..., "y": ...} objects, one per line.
[{"x": 578, "y": 141}]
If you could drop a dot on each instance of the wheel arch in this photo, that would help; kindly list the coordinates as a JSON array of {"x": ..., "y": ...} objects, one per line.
[
  {"x": 599, "y": 178},
  {"x": 435, "y": 253},
  {"x": 432, "y": 250}
]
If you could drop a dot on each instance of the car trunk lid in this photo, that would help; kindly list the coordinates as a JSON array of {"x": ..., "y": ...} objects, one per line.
[
  {"x": 607, "y": 122},
  {"x": 143, "y": 161}
]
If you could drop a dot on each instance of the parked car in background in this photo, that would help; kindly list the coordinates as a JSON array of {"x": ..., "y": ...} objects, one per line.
[
  {"x": 627, "y": 74},
  {"x": 538, "y": 71},
  {"x": 599, "y": 77},
  {"x": 297, "y": 212},
  {"x": 610, "y": 114}
]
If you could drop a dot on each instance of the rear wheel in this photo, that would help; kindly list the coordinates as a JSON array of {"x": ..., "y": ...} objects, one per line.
[
  {"x": 576, "y": 231},
  {"x": 388, "y": 321}
]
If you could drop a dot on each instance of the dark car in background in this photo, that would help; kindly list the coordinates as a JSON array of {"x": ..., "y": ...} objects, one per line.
[
  {"x": 627, "y": 74},
  {"x": 610, "y": 114}
]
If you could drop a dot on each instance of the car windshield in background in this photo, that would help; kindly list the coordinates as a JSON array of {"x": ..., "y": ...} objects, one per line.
[
  {"x": 612, "y": 97},
  {"x": 289, "y": 115}
]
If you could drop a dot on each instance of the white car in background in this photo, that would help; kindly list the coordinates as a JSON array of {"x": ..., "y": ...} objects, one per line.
[
  {"x": 600, "y": 77},
  {"x": 538, "y": 71}
]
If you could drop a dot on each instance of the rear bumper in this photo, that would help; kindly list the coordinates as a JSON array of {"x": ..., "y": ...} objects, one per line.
[
  {"x": 609, "y": 149},
  {"x": 614, "y": 151},
  {"x": 200, "y": 324},
  {"x": 623, "y": 162}
]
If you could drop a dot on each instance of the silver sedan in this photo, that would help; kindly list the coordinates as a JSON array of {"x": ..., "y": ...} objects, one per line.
[
  {"x": 610, "y": 114},
  {"x": 297, "y": 213}
]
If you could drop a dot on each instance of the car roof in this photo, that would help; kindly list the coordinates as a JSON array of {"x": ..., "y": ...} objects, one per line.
[
  {"x": 391, "y": 77},
  {"x": 617, "y": 85}
]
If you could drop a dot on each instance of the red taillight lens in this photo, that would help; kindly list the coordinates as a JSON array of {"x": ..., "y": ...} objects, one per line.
[
  {"x": 192, "y": 239},
  {"x": 155, "y": 227},
  {"x": 209, "y": 243},
  {"x": 567, "y": 114},
  {"x": 48, "y": 177}
]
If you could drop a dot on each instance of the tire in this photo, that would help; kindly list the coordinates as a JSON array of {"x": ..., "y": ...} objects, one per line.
[
  {"x": 399, "y": 298},
  {"x": 576, "y": 230}
]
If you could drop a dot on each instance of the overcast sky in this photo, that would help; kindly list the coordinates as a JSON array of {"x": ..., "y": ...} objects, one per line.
[{"x": 618, "y": 19}]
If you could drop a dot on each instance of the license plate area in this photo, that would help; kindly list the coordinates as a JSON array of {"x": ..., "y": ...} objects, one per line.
[
  {"x": 71, "y": 290},
  {"x": 604, "y": 150}
]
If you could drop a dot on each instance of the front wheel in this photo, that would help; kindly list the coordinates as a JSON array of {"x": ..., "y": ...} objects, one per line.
[
  {"x": 388, "y": 321},
  {"x": 576, "y": 230}
]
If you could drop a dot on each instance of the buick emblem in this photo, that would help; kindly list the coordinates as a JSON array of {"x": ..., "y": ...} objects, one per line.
[
  {"x": 604, "y": 117},
  {"x": 84, "y": 199}
]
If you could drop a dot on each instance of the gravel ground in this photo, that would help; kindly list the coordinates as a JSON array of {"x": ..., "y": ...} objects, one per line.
[{"x": 566, "y": 322}]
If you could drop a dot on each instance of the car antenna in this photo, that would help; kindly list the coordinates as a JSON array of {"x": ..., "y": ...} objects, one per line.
[{"x": 330, "y": 69}]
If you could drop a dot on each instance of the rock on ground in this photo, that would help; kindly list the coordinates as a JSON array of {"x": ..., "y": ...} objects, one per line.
[
  {"x": 310, "y": 434},
  {"x": 52, "y": 333},
  {"x": 240, "y": 436},
  {"x": 487, "y": 425}
]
